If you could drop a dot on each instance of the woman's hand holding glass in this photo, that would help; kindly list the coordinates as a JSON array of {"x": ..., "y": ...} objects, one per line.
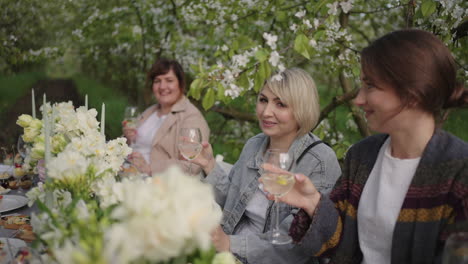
[
  {"x": 129, "y": 124},
  {"x": 190, "y": 144},
  {"x": 205, "y": 159},
  {"x": 303, "y": 193},
  {"x": 278, "y": 183}
]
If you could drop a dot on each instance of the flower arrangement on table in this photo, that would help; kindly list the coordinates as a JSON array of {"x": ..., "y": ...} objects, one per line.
[{"x": 90, "y": 215}]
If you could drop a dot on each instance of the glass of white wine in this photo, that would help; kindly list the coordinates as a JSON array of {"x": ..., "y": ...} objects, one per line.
[
  {"x": 278, "y": 184},
  {"x": 190, "y": 144},
  {"x": 130, "y": 118}
]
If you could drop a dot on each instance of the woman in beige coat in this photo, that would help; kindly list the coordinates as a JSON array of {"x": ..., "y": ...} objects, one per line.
[{"x": 156, "y": 135}]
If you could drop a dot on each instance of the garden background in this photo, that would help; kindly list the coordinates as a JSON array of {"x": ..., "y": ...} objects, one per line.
[{"x": 69, "y": 49}]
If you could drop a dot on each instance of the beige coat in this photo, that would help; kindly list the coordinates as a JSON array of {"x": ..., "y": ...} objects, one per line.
[{"x": 165, "y": 152}]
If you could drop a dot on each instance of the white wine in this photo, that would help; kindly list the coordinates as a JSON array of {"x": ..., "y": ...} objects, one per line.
[
  {"x": 190, "y": 150},
  {"x": 278, "y": 184}
]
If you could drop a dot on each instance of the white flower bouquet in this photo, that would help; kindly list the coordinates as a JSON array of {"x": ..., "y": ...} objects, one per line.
[{"x": 89, "y": 216}]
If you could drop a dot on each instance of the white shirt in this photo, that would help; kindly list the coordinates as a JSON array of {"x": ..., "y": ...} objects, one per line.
[
  {"x": 381, "y": 202},
  {"x": 145, "y": 135}
]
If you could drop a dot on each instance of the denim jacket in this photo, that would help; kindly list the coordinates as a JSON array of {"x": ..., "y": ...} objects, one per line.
[{"x": 234, "y": 191}]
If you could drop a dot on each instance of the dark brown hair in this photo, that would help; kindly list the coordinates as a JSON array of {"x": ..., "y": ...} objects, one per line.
[
  {"x": 163, "y": 66},
  {"x": 418, "y": 66}
]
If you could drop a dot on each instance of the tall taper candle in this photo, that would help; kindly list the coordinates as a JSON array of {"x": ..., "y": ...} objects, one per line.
[
  {"x": 33, "y": 99},
  {"x": 103, "y": 119},
  {"x": 86, "y": 101},
  {"x": 45, "y": 121}
]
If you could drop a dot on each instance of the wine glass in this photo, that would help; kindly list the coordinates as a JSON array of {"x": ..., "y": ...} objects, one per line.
[
  {"x": 456, "y": 249},
  {"x": 278, "y": 184},
  {"x": 130, "y": 118},
  {"x": 21, "y": 147},
  {"x": 18, "y": 174},
  {"x": 190, "y": 144}
]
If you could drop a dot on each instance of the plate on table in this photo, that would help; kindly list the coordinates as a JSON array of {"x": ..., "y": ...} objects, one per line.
[
  {"x": 8, "y": 169},
  {"x": 12, "y": 202},
  {"x": 15, "y": 245}
]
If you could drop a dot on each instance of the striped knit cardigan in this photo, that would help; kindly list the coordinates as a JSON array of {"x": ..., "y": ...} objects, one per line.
[{"x": 435, "y": 205}]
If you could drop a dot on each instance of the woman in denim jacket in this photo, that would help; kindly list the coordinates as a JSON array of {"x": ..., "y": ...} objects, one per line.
[{"x": 287, "y": 109}]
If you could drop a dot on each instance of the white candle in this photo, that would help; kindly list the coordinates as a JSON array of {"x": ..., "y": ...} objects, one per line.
[
  {"x": 45, "y": 121},
  {"x": 103, "y": 118},
  {"x": 86, "y": 102},
  {"x": 33, "y": 99}
]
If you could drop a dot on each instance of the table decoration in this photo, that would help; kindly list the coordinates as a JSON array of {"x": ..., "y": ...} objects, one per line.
[
  {"x": 33, "y": 103},
  {"x": 89, "y": 214}
]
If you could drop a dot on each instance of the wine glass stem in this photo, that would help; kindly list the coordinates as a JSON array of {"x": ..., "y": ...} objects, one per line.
[
  {"x": 276, "y": 230},
  {"x": 190, "y": 167}
]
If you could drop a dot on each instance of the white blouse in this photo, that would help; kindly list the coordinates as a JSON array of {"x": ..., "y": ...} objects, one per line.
[{"x": 145, "y": 134}]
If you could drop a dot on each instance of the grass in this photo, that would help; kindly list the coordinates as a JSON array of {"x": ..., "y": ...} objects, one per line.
[{"x": 14, "y": 87}]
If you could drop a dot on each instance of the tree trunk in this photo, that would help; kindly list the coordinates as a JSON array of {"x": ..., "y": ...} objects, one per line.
[{"x": 347, "y": 88}]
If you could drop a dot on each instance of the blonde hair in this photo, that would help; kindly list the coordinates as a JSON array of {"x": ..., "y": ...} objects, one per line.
[{"x": 297, "y": 90}]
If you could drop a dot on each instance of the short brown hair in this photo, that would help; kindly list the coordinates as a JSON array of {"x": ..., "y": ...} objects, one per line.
[
  {"x": 163, "y": 66},
  {"x": 418, "y": 66}
]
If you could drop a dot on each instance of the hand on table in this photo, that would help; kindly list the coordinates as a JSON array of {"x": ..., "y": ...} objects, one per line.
[
  {"x": 220, "y": 240},
  {"x": 303, "y": 194}
]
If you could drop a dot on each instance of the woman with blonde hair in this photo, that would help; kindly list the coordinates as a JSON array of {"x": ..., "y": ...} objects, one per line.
[{"x": 287, "y": 110}]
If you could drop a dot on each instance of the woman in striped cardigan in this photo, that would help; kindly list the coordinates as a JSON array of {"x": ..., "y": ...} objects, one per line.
[{"x": 402, "y": 192}]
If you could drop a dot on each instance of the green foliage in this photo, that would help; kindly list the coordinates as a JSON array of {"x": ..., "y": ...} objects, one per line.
[
  {"x": 14, "y": 87},
  {"x": 457, "y": 123},
  {"x": 115, "y": 103},
  {"x": 228, "y": 47}
]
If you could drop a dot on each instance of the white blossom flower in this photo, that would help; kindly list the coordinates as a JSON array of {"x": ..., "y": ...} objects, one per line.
[
  {"x": 300, "y": 14},
  {"x": 346, "y": 6},
  {"x": 271, "y": 39},
  {"x": 224, "y": 48},
  {"x": 333, "y": 8},
  {"x": 307, "y": 23},
  {"x": 274, "y": 58},
  {"x": 293, "y": 27}
]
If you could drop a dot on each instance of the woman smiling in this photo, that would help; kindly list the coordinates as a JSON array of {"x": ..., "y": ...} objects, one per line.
[
  {"x": 157, "y": 132},
  {"x": 287, "y": 110}
]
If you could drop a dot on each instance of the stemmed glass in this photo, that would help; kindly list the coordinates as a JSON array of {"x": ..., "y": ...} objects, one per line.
[
  {"x": 456, "y": 249},
  {"x": 130, "y": 118},
  {"x": 278, "y": 184},
  {"x": 190, "y": 144},
  {"x": 18, "y": 174},
  {"x": 21, "y": 146}
]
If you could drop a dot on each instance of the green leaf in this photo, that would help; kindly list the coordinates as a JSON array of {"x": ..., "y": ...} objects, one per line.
[
  {"x": 301, "y": 45},
  {"x": 428, "y": 7},
  {"x": 195, "y": 89},
  {"x": 319, "y": 34},
  {"x": 281, "y": 16},
  {"x": 220, "y": 95},
  {"x": 208, "y": 99},
  {"x": 261, "y": 55},
  {"x": 264, "y": 70},
  {"x": 356, "y": 71},
  {"x": 243, "y": 81},
  {"x": 235, "y": 45},
  {"x": 258, "y": 82}
]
